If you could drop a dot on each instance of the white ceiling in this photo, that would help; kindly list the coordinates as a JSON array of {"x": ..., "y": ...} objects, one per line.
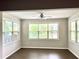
[{"x": 49, "y": 13}]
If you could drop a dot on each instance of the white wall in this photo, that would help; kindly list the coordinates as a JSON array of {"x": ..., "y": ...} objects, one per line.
[
  {"x": 73, "y": 46},
  {"x": 61, "y": 43},
  {"x": 0, "y": 35},
  {"x": 12, "y": 47}
]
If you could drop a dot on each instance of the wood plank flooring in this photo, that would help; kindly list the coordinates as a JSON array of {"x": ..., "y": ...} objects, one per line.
[{"x": 42, "y": 54}]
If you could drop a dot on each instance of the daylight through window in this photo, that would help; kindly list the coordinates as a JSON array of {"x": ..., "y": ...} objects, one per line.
[{"x": 43, "y": 31}]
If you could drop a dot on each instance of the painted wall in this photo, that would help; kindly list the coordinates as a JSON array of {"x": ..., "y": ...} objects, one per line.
[
  {"x": 9, "y": 49},
  {"x": 0, "y": 35},
  {"x": 46, "y": 43},
  {"x": 73, "y": 46}
]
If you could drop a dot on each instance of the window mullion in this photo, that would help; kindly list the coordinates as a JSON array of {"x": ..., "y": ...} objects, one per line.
[
  {"x": 76, "y": 30},
  {"x": 38, "y": 34},
  {"x": 38, "y": 31},
  {"x": 12, "y": 31},
  {"x": 47, "y": 31}
]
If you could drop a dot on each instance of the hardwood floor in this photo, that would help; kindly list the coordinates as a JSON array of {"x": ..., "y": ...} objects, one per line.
[{"x": 42, "y": 54}]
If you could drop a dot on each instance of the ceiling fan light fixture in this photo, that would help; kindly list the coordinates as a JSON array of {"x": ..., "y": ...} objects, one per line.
[{"x": 41, "y": 15}]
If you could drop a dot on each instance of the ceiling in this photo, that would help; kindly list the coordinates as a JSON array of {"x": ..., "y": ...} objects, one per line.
[
  {"x": 37, "y": 4},
  {"x": 48, "y": 13}
]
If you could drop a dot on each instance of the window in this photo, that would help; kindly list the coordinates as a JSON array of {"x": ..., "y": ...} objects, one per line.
[
  {"x": 15, "y": 27},
  {"x": 77, "y": 31},
  {"x": 53, "y": 31},
  {"x": 7, "y": 31},
  {"x": 10, "y": 31},
  {"x": 7, "y": 26},
  {"x": 15, "y": 30},
  {"x": 73, "y": 30},
  {"x": 33, "y": 31},
  {"x": 43, "y": 31}
]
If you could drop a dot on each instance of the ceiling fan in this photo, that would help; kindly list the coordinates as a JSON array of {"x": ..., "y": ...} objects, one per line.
[{"x": 43, "y": 16}]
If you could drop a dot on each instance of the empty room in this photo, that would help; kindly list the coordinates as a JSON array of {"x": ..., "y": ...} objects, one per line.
[{"x": 40, "y": 34}]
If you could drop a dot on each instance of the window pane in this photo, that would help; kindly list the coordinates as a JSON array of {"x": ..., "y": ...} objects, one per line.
[
  {"x": 33, "y": 35},
  {"x": 53, "y": 35},
  {"x": 3, "y": 26},
  {"x": 77, "y": 25},
  {"x": 33, "y": 27},
  {"x": 7, "y": 26},
  {"x": 15, "y": 36},
  {"x": 53, "y": 27},
  {"x": 73, "y": 36},
  {"x": 72, "y": 25},
  {"x": 7, "y": 37},
  {"x": 42, "y": 27},
  {"x": 77, "y": 36},
  {"x": 15, "y": 27},
  {"x": 43, "y": 35},
  {"x": 4, "y": 40}
]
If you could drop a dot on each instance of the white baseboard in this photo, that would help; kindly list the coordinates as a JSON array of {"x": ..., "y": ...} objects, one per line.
[
  {"x": 11, "y": 53},
  {"x": 74, "y": 53},
  {"x": 46, "y": 47}
]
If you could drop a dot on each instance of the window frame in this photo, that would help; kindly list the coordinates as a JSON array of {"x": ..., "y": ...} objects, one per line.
[
  {"x": 54, "y": 31},
  {"x": 3, "y": 31},
  {"x": 18, "y": 30},
  {"x": 73, "y": 31},
  {"x": 45, "y": 31},
  {"x": 77, "y": 31},
  {"x": 31, "y": 31}
]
